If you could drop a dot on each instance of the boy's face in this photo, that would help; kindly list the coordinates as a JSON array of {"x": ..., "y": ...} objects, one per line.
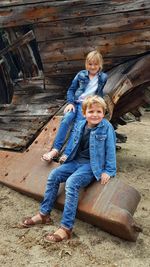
[
  {"x": 92, "y": 67},
  {"x": 94, "y": 115}
]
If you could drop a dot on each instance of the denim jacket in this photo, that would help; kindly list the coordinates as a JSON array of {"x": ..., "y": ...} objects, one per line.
[
  {"x": 102, "y": 147},
  {"x": 80, "y": 83}
]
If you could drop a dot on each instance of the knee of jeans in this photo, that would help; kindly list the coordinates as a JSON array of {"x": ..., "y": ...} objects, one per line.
[
  {"x": 53, "y": 175},
  {"x": 68, "y": 118},
  {"x": 70, "y": 186}
]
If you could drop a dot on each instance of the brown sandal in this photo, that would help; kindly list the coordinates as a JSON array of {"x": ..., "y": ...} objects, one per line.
[
  {"x": 53, "y": 238},
  {"x": 28, "y": 222}
]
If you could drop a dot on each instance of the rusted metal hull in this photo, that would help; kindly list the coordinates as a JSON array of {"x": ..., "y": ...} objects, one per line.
[{"x": 110, "y": 207}]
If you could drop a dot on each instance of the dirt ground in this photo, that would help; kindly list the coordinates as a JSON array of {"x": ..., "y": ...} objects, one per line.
[{"x": 89, "y": 246}]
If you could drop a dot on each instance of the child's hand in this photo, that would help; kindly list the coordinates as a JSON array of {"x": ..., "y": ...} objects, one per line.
[
  {"x": 104, "y": 178},
  {"x": 69, "y": 107}
]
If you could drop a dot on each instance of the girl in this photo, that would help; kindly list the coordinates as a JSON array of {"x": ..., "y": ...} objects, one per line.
[{"x": 87, "y": 82}]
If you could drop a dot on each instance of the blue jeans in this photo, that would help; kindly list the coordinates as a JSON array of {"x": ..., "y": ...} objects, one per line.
[
  {"x": 68, "y": 119},
  {"x": 76, "y": 176}
]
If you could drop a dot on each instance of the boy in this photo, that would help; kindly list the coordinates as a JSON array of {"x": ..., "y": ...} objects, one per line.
[
  {"x": 93, "y": 156},
  {"x": 87, "y": 82}
]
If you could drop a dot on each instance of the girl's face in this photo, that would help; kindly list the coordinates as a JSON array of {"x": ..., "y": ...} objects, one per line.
[{"x": 92, "y": 67}]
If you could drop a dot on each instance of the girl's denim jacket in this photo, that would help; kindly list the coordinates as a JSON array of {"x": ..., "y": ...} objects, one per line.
[
  {"x": 80, "y": 83},
  {"x": 102, "y": 147}
]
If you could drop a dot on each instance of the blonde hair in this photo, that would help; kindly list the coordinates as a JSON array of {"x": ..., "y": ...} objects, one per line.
[
  {"x": 94, "y": 56},
  {"x": 90, "y": 100}
]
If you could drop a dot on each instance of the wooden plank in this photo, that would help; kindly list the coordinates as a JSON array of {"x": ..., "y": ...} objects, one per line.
[
  {"x": 67, "y": 56},
  {"x": 133, "y": 74},
  {"x": 140, "y": 96},
  {"x": 17, "y": 134},
  {"x": 68, "y": 69},
  {"x": 5, "y": 3},
  {"x": 26, "y": 38},
  {"x": 33, "y": 92},
  {"x": 20, "y": 124},
  {"x": 124, "y": 43},
  {"x": 46, "y": 98},
  {"x": 60, "y": 10},
  {"x": 91, "y": 26},
  {"x": 31, "y": 109}
]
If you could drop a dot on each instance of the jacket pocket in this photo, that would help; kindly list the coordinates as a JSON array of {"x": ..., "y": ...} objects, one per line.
[{"x": 100, "y": 137}]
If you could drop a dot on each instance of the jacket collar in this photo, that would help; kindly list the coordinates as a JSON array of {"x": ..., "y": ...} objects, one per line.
[
  {"x": 87, "y": 73},
  {"x": 101, "y": 124}
]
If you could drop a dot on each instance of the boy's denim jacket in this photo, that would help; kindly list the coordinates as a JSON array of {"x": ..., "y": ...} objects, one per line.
[
  {"x": 102, "y": 147},
  {"x": 80, "y": 83}
]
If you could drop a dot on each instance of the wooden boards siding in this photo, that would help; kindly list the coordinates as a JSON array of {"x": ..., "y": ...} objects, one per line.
[
  {"x": 120, "y": 35},
  {"x": 67, "y": 30},
  {"x": 45, "y": 11}
]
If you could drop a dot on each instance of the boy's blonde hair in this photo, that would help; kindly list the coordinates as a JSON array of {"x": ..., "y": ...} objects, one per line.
[
  {"x": 90, "y": 100},
  {"x": 96, "y": 57}
]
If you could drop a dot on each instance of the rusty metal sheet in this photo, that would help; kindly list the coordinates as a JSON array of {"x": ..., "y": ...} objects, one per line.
[
  {"x": 25, "y": 171},
  {"x": 110, "y": 207}
]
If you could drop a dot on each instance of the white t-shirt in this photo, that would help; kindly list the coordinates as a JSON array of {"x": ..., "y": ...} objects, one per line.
[{"x": 90, "y": 89}]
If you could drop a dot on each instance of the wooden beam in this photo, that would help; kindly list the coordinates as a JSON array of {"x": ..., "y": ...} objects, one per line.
[
  {"x": 132, "y": 75},
  {"x": 26, "y": 38}
]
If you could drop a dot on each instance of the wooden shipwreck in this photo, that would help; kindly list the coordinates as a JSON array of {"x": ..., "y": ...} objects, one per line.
[{"x": 43, "y": 45}]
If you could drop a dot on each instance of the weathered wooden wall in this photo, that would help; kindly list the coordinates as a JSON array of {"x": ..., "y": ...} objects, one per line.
[{"x": 67, "y": 30}]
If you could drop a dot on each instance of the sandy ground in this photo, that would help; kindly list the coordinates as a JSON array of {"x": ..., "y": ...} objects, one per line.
[{"x": 89, "y": 246}]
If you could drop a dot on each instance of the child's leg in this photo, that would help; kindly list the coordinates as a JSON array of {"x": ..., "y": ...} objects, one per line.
[
  {"x": 65, "y": 124},
  {"x": 78, "y": 117},
  {"x": 80, "y": 178},
  {"x": 56, "y": 177}
]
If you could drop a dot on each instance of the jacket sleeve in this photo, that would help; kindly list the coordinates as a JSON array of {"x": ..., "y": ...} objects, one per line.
[
  {"x": 103, "y": 80},
  {"x": 110, "y": 152},
  {"x": 72, "y": 89}
]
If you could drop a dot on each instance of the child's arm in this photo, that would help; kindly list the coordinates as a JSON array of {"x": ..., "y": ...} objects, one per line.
[
  {"x": 103, "y": 79},
  {"x": 71, "y": 95},
  {"x": 110, "y": 153},
  {"x": 72, "y": 89}
]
